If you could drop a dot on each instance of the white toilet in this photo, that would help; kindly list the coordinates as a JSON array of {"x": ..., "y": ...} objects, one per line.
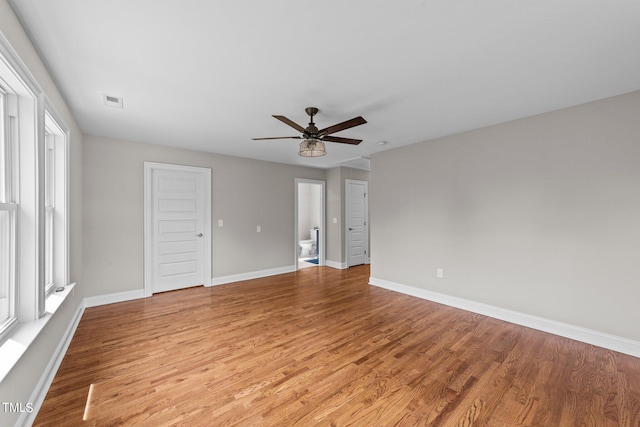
[{"x": 308, "y": 247}]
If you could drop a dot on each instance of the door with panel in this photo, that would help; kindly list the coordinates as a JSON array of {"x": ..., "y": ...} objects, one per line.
[
  {"x": 356, "y": 215},
  {"x": 180, "y": 227}
]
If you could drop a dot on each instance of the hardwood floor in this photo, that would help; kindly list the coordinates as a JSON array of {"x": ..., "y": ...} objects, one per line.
[{"x": 322, "y": 347}]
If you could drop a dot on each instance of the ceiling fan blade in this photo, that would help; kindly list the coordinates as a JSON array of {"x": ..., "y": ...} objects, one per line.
[
  {"x": 278, "y": 137},
  {"x": 342, "y": 140},
  {"x": 294, "y": 125},
  {"x": 357, "y": 121}
]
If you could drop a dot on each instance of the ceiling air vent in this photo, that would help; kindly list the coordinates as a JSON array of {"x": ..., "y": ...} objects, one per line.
[{"x": 112, "y": 101}]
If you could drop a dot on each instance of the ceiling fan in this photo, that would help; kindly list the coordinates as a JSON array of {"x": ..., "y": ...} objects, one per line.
[{"x": 314, "y": 138}]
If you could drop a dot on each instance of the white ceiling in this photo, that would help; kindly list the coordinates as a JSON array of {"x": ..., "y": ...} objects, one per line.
[{"x": 207, "y": 75}]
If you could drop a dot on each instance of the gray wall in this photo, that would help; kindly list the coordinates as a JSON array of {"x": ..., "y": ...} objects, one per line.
[
  {"x": 19, "y": 384},
  {"x": 245, "y": 193},
  {"x": 334, "y": 206},
  {"x": 539, "y": 215}
]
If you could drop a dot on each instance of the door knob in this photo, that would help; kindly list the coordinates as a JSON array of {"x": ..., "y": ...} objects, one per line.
[{"x": 199, "y": 235}]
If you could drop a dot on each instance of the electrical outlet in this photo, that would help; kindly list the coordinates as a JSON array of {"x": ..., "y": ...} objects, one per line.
[
  {"x": 259, "y": 229},
  {"x": 439, "y": 273},
  {"x": 220, "y": 223}
]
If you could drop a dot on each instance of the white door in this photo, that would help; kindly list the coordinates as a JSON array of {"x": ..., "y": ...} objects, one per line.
[
  {"x": 356, "y": 222},
  {"x": 178, "y": 221}
]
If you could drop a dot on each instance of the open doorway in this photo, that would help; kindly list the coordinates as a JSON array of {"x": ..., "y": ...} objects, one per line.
[{"x": 309, "y": 223}]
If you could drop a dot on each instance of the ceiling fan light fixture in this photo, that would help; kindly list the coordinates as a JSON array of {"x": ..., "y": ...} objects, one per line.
[{"x": 312, "y": 147}]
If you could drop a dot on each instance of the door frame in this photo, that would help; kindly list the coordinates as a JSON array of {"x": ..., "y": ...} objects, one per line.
[
  {"x": 149, "y": 168},
  {"x": 322, "y": 236},
  {"x": 347, "y": 213}
]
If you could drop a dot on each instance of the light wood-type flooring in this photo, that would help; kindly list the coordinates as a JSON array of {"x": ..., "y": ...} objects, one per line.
[{"x": 322, "y": 347}]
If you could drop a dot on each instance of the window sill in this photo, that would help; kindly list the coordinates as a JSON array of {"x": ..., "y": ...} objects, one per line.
[{"x": 25, "y": 333}]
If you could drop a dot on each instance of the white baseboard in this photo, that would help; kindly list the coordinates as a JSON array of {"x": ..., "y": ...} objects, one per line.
[
  {"x": 336, "y": 264},
  {"x": 42, "y": 387},
  {"x": 113, "y": 298},
  {"x": 342, "y": 265},
  {"x": 251, "y": 275},
  {"x": 600, "y": 339},
  {"x": 137, "y": 294}
]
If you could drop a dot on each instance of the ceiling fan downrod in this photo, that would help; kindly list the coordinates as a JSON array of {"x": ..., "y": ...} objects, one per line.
[{"x": 311, "y": 130}]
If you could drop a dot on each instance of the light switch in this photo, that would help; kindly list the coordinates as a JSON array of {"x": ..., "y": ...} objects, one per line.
[
  {"x": 259, "y": 229},
  {"x": 335, "y": 220},
  {"x": 220, "y": 223}
]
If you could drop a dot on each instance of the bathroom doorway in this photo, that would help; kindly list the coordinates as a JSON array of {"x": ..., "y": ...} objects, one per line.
[{"x": 309, "y": 225}]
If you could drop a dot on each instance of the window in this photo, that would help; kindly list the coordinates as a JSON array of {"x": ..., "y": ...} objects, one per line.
[
  {"x": 7, "y": 265},
  {"x": 49, "y": 210},
  {"x": 55, "y": 207},
  {"x": 8, "y": 213},
  {"x": 33, "y": 197}
]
